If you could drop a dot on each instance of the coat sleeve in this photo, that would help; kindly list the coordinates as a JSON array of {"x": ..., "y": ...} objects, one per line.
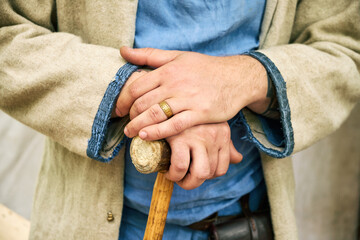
[
  {"x": 51, "y": 81},
  {"x": 316, "y": 75}
]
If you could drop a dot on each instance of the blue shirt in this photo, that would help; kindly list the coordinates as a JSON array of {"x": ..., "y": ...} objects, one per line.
[
  {"x": 220, "y": 27},
  {"x": 216, "y": 28}
]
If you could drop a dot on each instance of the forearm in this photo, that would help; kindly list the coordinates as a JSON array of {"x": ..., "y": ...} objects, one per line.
[
  {"x": 52, "y": 82},
  {"x": 321, "y": 69}
]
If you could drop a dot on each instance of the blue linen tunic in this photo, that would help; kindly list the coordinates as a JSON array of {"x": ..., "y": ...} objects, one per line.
[{"x": 216, "y": 28}]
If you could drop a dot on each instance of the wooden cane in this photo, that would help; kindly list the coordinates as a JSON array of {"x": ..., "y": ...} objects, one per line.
[{"x": 151, "y": 157}]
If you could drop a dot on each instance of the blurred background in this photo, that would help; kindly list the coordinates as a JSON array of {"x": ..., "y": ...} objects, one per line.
[{"x": 326, "y": 174}]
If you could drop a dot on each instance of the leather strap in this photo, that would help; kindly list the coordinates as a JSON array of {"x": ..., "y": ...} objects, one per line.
[
  {"x": 208, "y": 223},
  {"x": 246, "y": 226}
]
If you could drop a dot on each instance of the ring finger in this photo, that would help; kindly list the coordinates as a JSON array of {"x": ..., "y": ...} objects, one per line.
[
  {"x": 154, "y": 115},
  {"x": 146, "y": 101}
]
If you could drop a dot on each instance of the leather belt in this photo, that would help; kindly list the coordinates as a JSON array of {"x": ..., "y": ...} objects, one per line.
[
  {"x": 246, "y": 226},
  {"x": 207, "y": 223}
]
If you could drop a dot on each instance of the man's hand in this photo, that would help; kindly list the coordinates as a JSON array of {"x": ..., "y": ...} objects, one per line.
[
  {"x": 131, "y": 79},
  {"x": 199, "y": 89},
  {"x": 199, "y": 153}
]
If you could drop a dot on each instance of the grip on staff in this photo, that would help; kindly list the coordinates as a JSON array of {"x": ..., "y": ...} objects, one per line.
[{"x": 148, "y": 157}]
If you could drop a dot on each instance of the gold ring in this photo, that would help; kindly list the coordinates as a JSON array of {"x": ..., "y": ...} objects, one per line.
[{"x": 166, "y": 109}]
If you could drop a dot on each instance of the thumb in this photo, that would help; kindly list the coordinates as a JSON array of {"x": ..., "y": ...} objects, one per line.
[
  {"x": 235, "y": 156},
  {"x": 148, "y": 56}
]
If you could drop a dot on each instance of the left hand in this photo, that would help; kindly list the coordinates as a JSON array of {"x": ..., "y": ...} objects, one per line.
[
  {"x": 199, "y": 89},
  {"x": 199, "y": 153}
]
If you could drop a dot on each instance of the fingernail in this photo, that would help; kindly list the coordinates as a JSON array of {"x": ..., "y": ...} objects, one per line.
[
  {"x": 126, "y": 131},
  {"x": 142, "y": 134}
]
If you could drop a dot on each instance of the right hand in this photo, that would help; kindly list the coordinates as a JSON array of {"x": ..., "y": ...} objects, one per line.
[
  {"x": 199, "y": 153},
  {"x": 199, "y": 88}
]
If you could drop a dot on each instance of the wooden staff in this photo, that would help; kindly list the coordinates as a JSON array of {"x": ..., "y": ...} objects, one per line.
[{"x": 149, "y": 157}]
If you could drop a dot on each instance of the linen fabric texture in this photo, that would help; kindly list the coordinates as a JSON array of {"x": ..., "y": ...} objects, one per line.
[{"x": 56, "y": 61}]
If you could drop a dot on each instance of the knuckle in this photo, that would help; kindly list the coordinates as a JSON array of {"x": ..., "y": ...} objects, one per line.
[
  {"x": 149, "y": 51},
  {"x": 130, "y": 128},
  {"x": 173, "y": 68},
  {"x": 203, "y": 174},
  {"x": 170, "y": 69},
  {"x": 212, "y": 173},
  {"x": 212, "y": 134},
  {"x": 132, "y": 78},
  {"x": 157, "y": 133},
  {"x": 120, "y": 108},
  {"x": 220, "y": 173},
  {"x": 139, "y": 106},
  {"x": 155, "y": 114},
  {"x": 133, "y": 91},
  {"x": 206, "y": 109},
  {"x": 180, "y": 166},
  {"x": 178, "y": 125},
  {"x": 213, "y": 167},
  {"x": 186, "y": 186},
  {"x": 226, "y": 134},
  {"x": 173, "y": 177}
]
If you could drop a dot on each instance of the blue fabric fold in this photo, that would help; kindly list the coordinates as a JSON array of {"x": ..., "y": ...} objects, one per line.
[
  {"x": 102, "y": 120},
  {"x": 273, "y": 130},
  {"x": 284, "y": 139}
]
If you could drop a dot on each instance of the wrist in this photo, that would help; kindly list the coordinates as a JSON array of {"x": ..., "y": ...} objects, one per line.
[
  {"x": 260, "y": 106},
  {"x": 257, "y": 84},
  {"x": 266, "y": 105}
]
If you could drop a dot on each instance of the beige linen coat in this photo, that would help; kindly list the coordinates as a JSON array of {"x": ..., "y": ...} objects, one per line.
[{"x": 57, "y": 58}]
